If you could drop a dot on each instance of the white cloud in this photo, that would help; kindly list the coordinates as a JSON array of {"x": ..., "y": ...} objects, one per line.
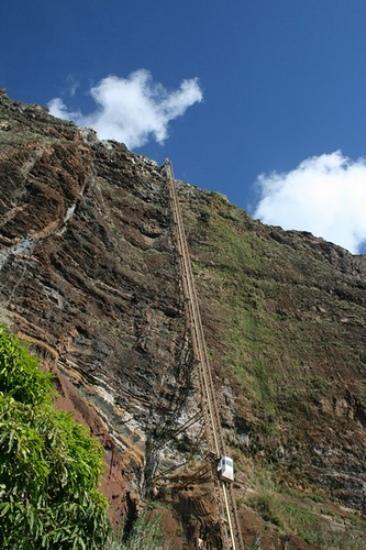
[
  {"x": 58, "y": 109},
  {"x": 72, "y": 85},
  {"x": 325, "y": 195},
  {"x": 133, "y": 109}
]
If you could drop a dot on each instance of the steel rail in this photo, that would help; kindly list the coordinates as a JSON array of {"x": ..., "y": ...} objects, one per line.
[{"x": 223, "y": 494}]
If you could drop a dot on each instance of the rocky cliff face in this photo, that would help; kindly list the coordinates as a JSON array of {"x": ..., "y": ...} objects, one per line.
[{"x": 88, "y": 276}]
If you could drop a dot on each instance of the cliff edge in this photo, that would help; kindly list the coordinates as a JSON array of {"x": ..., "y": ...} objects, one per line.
[{"x": 88, "y": 276}]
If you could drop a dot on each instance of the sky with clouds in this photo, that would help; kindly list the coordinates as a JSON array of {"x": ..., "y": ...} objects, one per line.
[
  {"x": 325, "y": 195},
  {"x": 132, "y": 110},
  {"x": 263, "y": 101}
]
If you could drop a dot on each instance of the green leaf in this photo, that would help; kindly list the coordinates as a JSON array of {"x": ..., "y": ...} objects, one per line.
[{"x": 50, "y": 466}]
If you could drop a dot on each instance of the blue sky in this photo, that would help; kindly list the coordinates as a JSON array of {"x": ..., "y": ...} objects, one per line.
[{"x": 282, "y": 80}]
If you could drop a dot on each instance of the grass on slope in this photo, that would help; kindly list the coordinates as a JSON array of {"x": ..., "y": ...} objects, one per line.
[
  {"x": 266, "y": 299},
  {"x": 278, "y": 335}
]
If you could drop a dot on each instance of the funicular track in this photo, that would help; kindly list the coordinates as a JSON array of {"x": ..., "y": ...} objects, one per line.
[{"x": 223, "y": 493}]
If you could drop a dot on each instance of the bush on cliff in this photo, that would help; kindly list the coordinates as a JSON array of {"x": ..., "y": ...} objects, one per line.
[{"x": 49, "y": 464}]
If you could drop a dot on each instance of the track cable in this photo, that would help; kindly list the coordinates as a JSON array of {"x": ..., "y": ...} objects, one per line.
[{"x": 223, "y": 493}]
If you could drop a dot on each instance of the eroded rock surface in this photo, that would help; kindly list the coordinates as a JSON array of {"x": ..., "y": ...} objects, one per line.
[{"x": 88, "y": 276}]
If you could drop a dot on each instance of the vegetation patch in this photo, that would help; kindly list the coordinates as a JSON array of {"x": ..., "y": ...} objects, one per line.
[
  {"x": 306, "y": 520},
  {"x": 49, "y": 464},
  {"x": 146, "y": 534}
]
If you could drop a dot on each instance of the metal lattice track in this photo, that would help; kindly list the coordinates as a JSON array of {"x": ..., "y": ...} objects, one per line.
[{"x": 223, "y": 494}]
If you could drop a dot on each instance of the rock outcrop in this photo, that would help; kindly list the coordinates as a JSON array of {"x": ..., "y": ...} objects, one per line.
[{"x": 88, "y": 276}]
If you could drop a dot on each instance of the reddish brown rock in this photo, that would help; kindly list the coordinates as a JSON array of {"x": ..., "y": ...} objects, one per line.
[{"x": 88, "y": 277}]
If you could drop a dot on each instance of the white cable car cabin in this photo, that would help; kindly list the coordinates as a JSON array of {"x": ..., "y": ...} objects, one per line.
[{"x": 225, "y": 468}]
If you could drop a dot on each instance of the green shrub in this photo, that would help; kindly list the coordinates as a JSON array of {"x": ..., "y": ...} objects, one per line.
[
  {"x": 265, "y": 506},
  {"x": 20, "y": 376},
  {"x": 221, "y": 196},
  {"x": 204, "y": 216},
  {"x": 146, "y": 534},
  {"x": 49, "y": 464}
]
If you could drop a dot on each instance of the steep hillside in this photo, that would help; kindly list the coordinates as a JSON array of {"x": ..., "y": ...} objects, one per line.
[{"x": 88, "y": 275}]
